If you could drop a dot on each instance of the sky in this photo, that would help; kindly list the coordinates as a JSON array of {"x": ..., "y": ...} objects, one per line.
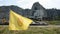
[{"x": 28, "y": 3}]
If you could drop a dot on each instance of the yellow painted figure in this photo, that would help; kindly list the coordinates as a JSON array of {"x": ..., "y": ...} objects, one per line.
[{"x": 18, "y": 22}]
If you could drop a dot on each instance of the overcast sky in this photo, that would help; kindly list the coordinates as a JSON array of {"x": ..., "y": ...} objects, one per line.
[{"x": 28, "y": 3}]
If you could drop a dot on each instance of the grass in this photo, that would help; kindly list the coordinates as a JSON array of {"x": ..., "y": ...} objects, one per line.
[
  {"x": 32, "y": 30},
  {"x": 53, "y": 22}
]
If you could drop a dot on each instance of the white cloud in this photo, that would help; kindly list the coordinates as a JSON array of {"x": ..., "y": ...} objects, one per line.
[{"x": 29, "y": 3}]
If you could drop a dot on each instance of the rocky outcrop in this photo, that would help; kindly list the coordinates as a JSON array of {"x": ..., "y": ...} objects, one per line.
[
  {"x": 38, "y": 10},
  {"x": 4, "y": 11}
]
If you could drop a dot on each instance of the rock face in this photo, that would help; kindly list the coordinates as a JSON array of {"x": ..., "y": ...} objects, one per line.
[
  {"x": 4, "y": 11},
  {"x": 53, "y": 14},
  {"x": 38, "y": 10}
]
